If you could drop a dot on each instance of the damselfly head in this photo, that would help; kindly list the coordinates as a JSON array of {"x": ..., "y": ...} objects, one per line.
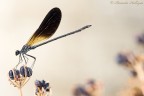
[{"x": 17, "y": 52}]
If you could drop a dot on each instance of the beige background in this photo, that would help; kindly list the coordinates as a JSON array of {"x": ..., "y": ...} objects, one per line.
[{"x": 74, "y": 59}]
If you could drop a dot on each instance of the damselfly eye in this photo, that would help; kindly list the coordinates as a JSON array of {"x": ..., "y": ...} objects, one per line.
[
  {"x": 11, "y": 75},
  {"x": 17, "y": 52}
]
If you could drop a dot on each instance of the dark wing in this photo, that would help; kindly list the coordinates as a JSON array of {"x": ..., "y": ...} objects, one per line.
[{"x": 47, "y": 28}]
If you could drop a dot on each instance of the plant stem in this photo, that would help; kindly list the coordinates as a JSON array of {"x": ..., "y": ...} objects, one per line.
[{"x": 20, "y": 92}]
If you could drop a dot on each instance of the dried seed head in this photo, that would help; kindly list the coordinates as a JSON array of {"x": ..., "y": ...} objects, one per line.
[
  {"x": 140, "y": 38},
  {"x": 42, "y": 87},
  {"x": 20, "y": 78}
]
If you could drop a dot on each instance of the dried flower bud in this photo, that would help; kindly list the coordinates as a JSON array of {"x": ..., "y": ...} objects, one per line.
[
  {"x": 29, "y": 71},
  {"x": 122, "y": 58},
  {"x": 134, "y": 73},
  {"x": 80, "y": 91},
  {"x": 42, "y": 87},
  {"x": 14, "y": 74},
  {"x": 46, "y": 86},
  {"x": 140, "y": 38},
  {"x": 17, "y": 74},
  {"x": 38, "y": 83},
  {"x": 26, "y": 71},
  {"x": 11, "y": 75},
  {"x": 36, "y": 92},
  {"x": 22, "y": 71}
]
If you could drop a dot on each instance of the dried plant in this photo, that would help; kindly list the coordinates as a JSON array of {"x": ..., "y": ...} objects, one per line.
[
  {"x": 133, "y": 62},
  {"x": 42, "y": 88},
  {"x": 20, "y": 77},
  {"x": 91, "y": 88}
]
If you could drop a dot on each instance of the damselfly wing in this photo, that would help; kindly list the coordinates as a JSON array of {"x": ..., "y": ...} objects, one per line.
[{"x": 47, "y": 28}]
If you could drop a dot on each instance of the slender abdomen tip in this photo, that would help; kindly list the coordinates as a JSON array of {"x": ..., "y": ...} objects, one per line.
[{"x": 88, "y": 26}]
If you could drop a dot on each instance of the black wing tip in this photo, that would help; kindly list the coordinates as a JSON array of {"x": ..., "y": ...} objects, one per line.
[
  {"x": 56, "y": 9},
  {"x": 89, "y": 26}
]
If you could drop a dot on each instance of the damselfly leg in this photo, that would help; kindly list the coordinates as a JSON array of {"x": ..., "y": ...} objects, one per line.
[
  {"x": 33, "y": 61},
  {"x": 20, "y": 61},
  {"x": 24, "y": 57}
]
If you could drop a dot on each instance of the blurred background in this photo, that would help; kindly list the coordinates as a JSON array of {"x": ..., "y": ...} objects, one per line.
[{"x": 74, "y": 59}]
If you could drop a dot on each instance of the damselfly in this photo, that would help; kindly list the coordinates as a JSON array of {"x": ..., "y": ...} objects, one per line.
[{"x": 47, "y": 28}]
